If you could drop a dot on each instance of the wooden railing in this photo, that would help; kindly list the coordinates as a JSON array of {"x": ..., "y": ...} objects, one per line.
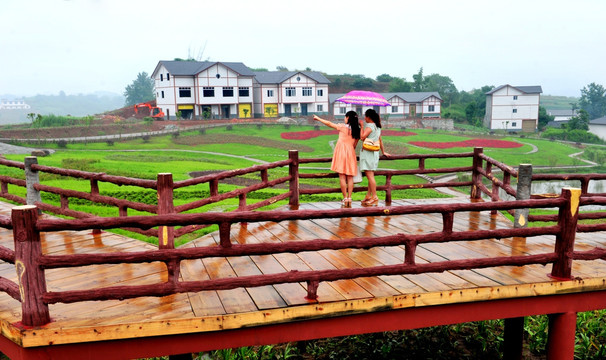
[{"x": 32, "y": 263}]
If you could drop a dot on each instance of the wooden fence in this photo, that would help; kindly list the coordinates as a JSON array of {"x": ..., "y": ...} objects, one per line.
[{"x": 30, "y": 263}]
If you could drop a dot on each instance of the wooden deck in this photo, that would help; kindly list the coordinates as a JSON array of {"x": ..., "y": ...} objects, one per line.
[{"x": 248, "y": 307}]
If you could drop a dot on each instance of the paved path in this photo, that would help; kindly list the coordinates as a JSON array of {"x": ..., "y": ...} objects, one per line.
[{"x": 13, "y": 149}]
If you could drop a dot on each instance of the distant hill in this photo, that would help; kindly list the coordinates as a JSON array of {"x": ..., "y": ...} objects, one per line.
[{"x": 552, "y": 102}]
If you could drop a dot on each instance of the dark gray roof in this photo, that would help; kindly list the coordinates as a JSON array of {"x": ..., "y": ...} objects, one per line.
[
  {"x": 535, "y": 89},
  {"x": 562, "y": 112},
  {"x": 598, "y": 121},
  {"x": 191, "y": 68},
  {"x": 278, "y": 77},
  {"x": 410, "y": 97}
]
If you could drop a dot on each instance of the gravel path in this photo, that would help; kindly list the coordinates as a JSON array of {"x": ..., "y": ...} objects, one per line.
[{"x": 12, "y": 149}]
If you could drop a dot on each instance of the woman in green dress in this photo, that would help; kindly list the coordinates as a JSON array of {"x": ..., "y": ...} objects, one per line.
[{"x": 369, "y": 160}]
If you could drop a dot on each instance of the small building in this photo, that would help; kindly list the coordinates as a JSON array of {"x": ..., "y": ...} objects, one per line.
[
  {"x": 14, "y": 105},
  {"x": 406, "y": 105},
  {"x": 288, "y": 93},
  {"x": 562, "y": 115},
  {"x": 598, "y": 127},
  {"x": 513, "y": 108},
  {"x": 204, "y": 89}
]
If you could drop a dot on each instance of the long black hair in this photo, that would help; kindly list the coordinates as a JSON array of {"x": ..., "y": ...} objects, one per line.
[
  {"x": 374, "y": 116},
  {"x": 354, "y": 123}
]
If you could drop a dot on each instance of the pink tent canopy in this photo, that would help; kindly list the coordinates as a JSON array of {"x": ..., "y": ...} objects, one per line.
[{"x": 360, "y": 97}]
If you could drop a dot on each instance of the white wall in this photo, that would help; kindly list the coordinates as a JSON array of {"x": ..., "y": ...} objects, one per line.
[
  {"x": 599, "y": 130},
  {"x": 502, "y": 113}
]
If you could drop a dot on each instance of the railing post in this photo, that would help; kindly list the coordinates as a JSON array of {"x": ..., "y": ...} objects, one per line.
[
  {"x": 513, "y": 339},
  {"x": 31, "y": 178},
  {"x": 520, "y": 217},
  {"x": 476, "y": 177},
  {"x": 30, "y": 277},
  {"x": 564, "y": 246},
  {"x": 166, "y": 234},
  {"x": 293, "y": 172},
  {"x": 561, "y": 335},
  {"x": 388, "y": 190}
]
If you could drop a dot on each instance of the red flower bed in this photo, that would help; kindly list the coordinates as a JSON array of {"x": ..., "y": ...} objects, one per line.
[
  {"x": 488, "y": 143},
  {"x": 304, "y": 135}
]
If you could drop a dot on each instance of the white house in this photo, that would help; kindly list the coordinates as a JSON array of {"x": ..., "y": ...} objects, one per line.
[
  {"x": 284, "y": 93},
  {"x": 562, "y": 115},
  {"x": 598, "y": 127},
  {"x": 204, "y": 89},
  {"x": 514, "y": 108},
  {"x": 13, "y": 105},
  {"x": 402, "y": 105}
]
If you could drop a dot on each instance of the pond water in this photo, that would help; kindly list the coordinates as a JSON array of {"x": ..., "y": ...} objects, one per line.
[{"x": 555, "y": 187}]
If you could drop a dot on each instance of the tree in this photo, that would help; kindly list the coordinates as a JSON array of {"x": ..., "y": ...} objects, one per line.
[
  {"x": 470, "y": 111},
  {"x": 281, "y": 68},
  {"x": 544, "y": 118},
  {"x": 141, "y": 90},
  {"x": 593, "y": 100},
  {"x": 385, "y": 78},
  {"x": 417, "y": 84},
  {"x": 399, "y": 85},
  {"x": 579, "y": 122},
  {"x": 441, "y": 84}
]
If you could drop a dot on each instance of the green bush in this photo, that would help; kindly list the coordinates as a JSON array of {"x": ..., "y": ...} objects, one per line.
[{"x": 581, "y": 136}]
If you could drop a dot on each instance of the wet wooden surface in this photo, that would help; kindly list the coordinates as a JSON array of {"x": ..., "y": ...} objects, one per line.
[{"x": 245, "y": 306}]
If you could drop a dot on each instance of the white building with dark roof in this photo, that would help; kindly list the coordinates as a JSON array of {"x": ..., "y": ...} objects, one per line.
[
  {"x": 598, "y": 127},
  {"x": 513, "y": 108},
  {"x": 402, "y": 105},
  {"x": 204, "y": 89},
  {"x": 562, "y": 115},
  {"x": 13, "y": 105},
  {"x": 288, "y": 93}
]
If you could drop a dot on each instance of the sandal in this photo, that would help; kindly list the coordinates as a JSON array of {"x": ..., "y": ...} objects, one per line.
[{"x": 371, "y": 202}]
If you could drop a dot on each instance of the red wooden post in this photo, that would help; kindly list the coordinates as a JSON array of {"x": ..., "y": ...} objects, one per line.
[
  {"x": 214, "y": 187},
  {"x": 409, "y": 252},
  {"x": 564, "y": 246},
  {"x": 513, "y": 339},
  {"x": 166, "y": 234},
  {"x": 3, "y": 187},
  {"x": 224, "y": 236},
  {"x": 312, "y": 290},
  {"x": 32, "y": 283},
  {"x": 421, "y": 163},
  {"x": 388, "y": 190},
  {"x": 293, "y": 172},
  {"x": 561, "y": 336},
  {"x": 264, "y": 177},
  {"x": 241, "y": 201},
  {"x": 94, "y": 190},
  {"x": 476, "y": 177},
  {"x": 584, "y": 185},
  {"x": 447, "y": 222}
]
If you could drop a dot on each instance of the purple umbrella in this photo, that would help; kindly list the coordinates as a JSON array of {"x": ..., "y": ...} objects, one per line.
[{"x": 360, "y": 97}]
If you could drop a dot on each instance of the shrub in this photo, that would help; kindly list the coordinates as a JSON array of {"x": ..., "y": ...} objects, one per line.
[
  {"x": 202, "y": 131},
  {"x": 259, "y": 126},
  {"x": 62, "y": 144},
  {"x": 175, "y": 134},
  {"x": 145, "y": 138},
  {"x": 109, "y": 142},
  {"x": 229, "y": 127}
]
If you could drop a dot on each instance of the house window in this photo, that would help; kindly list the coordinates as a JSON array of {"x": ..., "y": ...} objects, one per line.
[
  {"x": 244, "y": 91},
  {"x": 394, "y": 109},
  {"x": 161, "y": 77},
  {"x": 208, "y": 91},
  {"x": 514, "y": 124},
  {"x": 162, "y": 93},
  {"x": 431, "y": 108},
  {"x": 184, "y": 92},
  {"x": 320, "y": 92},
  {"x": 515, "y": 97},
  {"x": 291, "y": 91},
  {"x": 270, "y": 93},
  {"x": 319, "y": 107},
  {"x": 342, "y": 110},
  {"x": 306, "y": 91},
  {"x": 228, "y": 91},
  {"x": 167, "y": 77},
  {"x": 515, "y": 111}
]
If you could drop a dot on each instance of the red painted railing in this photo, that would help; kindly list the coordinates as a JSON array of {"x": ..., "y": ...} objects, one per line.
[{"x": 35, "y": 297}]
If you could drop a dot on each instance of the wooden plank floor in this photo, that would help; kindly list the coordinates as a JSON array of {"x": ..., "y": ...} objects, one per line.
[{"x": 217, "y": 310}]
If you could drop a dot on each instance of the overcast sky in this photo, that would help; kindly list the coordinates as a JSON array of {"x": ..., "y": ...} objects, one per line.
[{"x": 82, "y": 46}]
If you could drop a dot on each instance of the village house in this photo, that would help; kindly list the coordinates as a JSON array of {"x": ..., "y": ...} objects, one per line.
[
  {"x": 13, "y": 105},
  {"x": 288, "y": 93},
  {"x": 598, "y": 127},
  {"x": 402, "y": 105},
  {"x": 513, "y": 108},
  {"x": 194, "y": 89}
]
